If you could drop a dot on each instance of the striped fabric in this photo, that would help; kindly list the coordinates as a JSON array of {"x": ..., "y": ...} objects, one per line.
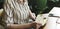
[{"x": 16, "y": 12}]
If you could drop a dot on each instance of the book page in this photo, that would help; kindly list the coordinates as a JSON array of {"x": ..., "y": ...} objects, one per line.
[{"x": 41, "y": 18}]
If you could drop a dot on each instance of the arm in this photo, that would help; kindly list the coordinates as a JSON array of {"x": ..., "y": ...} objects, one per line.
[{"x": 20, "y": 26}]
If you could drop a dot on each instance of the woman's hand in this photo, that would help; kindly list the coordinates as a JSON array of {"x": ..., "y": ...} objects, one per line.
[
  {"x": 36, "y": 25},
  {"x": 33, "y": 16}
]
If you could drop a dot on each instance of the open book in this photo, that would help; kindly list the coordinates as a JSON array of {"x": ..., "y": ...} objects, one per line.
[{"x": 41, "y": 18}]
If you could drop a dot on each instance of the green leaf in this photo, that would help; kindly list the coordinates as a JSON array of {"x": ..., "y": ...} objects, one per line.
[{"x": 41, "y": 5}]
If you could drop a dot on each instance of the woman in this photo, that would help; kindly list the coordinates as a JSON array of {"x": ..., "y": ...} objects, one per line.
[{"x": 17, "y": 14}]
